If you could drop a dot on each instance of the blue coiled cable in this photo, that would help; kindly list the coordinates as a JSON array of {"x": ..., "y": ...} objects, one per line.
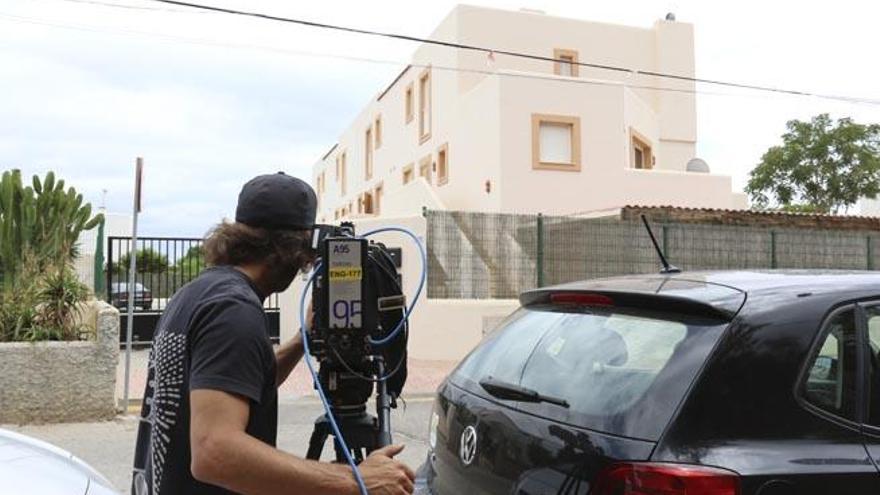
[{"x": 424, "y": 258}]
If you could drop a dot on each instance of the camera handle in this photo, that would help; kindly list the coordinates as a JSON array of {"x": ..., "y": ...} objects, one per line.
[{"x": 383, "y": 405}]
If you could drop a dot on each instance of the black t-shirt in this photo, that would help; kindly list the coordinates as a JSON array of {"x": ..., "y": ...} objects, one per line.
[{"x": 213, "y": 335}]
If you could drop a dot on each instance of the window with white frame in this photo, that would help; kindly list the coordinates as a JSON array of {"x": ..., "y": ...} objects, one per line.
[{"x": 556, "y": 142}]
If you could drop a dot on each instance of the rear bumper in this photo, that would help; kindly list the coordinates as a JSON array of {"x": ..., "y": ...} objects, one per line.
[{"x": 424, "y": 478}]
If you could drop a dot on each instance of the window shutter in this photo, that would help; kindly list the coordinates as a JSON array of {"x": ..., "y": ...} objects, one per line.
[{"x": 555, "y": 142}]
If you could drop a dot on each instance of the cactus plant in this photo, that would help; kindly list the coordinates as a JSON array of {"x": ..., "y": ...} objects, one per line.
[
  {"x": 39, "y": 227},
  {"x": 42, "y": 219}
]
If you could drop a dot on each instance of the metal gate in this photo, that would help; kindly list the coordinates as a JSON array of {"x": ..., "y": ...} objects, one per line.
[{"x": 164, "y": 264}]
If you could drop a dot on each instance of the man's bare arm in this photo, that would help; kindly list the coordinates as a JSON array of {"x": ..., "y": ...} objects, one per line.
[
  {"x": 224, "y": 454},
  {"x": 287, "y": 356}
]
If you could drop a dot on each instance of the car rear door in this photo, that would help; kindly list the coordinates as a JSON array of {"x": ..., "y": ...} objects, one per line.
[{"x": 869, "y": 321}]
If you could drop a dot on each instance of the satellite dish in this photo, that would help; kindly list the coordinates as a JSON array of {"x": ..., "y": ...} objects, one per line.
[
  {"x": 698, "y": 165},
  {"x": 670, "y": 16}
]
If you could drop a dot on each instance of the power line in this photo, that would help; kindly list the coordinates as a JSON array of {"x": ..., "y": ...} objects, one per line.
[
  {"x": 135, "y": 7},
  {"x": 493, "y": 51},
  {"x": 303, "y": 53}
]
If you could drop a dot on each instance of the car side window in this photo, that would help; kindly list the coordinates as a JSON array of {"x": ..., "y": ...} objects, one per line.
[
  {"x": 830, "y": 383},
  {"x": 873, "y": 315}
]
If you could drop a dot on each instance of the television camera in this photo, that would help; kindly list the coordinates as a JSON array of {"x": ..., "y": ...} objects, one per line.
[{"x": 358, "y": 304}]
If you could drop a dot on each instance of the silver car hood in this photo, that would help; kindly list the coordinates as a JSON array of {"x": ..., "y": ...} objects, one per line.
[{"x": 31, "y": 466}]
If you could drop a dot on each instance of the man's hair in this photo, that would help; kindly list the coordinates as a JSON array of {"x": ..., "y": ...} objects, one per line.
[{"x": 233, "y": 243}]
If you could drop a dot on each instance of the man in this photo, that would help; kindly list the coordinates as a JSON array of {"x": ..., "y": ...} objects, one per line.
[{"x": 210, "y": 411}]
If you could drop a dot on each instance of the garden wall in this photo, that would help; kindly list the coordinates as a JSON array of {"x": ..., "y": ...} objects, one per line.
[{"x": 53, "y": 382}]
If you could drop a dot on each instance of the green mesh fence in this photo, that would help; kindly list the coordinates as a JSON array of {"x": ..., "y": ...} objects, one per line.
[{"x": 490, "y": 256}]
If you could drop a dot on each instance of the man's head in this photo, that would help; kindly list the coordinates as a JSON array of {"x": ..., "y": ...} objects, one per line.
[{"x": 272, "y": 230}]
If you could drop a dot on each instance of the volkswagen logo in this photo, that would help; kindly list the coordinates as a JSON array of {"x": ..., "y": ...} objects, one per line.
[{"x": 467, "y": 451}]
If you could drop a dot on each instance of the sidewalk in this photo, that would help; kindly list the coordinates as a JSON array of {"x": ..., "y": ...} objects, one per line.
[{"x": 423, "y": 378}]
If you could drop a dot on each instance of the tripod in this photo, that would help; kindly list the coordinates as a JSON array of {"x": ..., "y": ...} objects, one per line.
[{"x": 363, "y": 432}]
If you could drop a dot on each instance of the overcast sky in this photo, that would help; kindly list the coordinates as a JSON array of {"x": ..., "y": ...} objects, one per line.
[{"x": 210, "y": 100}]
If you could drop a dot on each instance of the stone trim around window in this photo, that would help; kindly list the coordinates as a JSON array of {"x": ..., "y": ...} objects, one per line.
[
  {"x": 564, "y": 54},
  {"x": 425, "y": 105},
  {"x": 637, "y": 140},
  {"x": 443, "y": 164}
]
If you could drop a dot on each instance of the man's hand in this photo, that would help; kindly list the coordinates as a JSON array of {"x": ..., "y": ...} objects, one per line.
[
  {"x": 385, "y": 476},
  {"x": 224, "y": 454}
]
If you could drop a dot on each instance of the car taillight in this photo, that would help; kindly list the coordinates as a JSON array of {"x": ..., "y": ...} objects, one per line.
[
  {"x": 580, "y": 298},
  {"x": 665, "y": 479}
]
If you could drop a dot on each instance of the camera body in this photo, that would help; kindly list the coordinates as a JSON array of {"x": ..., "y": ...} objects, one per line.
[{"x": 357, "y": 298}]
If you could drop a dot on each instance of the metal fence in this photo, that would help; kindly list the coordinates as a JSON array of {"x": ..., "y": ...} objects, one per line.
[
  {"x": 480, "y": 255},
  {"x": 164, "y": 265}
]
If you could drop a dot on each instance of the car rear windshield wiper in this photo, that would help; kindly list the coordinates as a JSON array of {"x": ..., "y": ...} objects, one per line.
[{"x": 508, "y": 391}]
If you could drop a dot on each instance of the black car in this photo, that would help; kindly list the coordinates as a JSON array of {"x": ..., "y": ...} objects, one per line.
[
  {"x": 713, "y": 383},
  {"x": 143, "y": 298}
]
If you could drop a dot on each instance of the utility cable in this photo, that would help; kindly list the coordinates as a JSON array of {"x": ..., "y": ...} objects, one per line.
[
  {"x": 304, "y": 53},
  {"x": 135, "y": 7},
  {"x": 494, "y": 51}
]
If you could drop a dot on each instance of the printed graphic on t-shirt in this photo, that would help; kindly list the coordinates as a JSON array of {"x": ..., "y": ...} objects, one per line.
[{"x": 166, "y": 369}]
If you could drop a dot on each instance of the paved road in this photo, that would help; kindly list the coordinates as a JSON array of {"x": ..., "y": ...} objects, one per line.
[{"x": 108, "y": 446}]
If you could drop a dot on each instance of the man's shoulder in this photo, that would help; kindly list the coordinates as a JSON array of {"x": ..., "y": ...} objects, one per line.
[{"x": 221, "y": 286}]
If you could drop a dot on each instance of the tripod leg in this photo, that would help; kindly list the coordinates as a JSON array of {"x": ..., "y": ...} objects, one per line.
[
  {"x": 340, "y": 453},
  {"x": 316, "y": 444}
]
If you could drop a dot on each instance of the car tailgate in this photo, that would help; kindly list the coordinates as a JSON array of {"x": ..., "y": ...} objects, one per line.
[{"x": 483, "y": 447}]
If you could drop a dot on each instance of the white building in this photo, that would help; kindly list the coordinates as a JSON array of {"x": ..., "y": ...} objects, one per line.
[
  {"x": 463, "y": 130},
  {"x": 460, "y": 130}
]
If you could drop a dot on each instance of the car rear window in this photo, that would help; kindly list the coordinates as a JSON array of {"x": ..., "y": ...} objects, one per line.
[{"x": 621, "y": 371}]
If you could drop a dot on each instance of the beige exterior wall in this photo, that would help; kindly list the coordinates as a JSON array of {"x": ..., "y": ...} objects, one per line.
[
  {"x": 482, "y": 112},
  {"x": 606, "y": 178}
]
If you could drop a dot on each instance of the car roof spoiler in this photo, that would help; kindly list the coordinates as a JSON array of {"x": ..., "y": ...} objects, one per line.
[{"x": 725, "y": 309}]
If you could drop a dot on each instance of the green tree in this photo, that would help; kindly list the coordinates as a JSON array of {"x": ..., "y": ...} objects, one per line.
[
  {"x": 148, "y": 261},
  {"x": 822, "y": 166},
  {"x": 191, "y": 263}
]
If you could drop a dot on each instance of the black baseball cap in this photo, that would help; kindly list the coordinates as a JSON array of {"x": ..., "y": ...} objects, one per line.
[{"x": 277, "y": 201}]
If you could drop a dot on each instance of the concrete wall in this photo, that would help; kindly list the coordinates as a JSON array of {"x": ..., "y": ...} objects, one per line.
[
  {"x": 440, "y": 329},
  {"x": 62, "y": 381}
]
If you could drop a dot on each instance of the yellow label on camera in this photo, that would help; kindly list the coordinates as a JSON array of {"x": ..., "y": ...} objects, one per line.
[{"x": 346, "y": 274}]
